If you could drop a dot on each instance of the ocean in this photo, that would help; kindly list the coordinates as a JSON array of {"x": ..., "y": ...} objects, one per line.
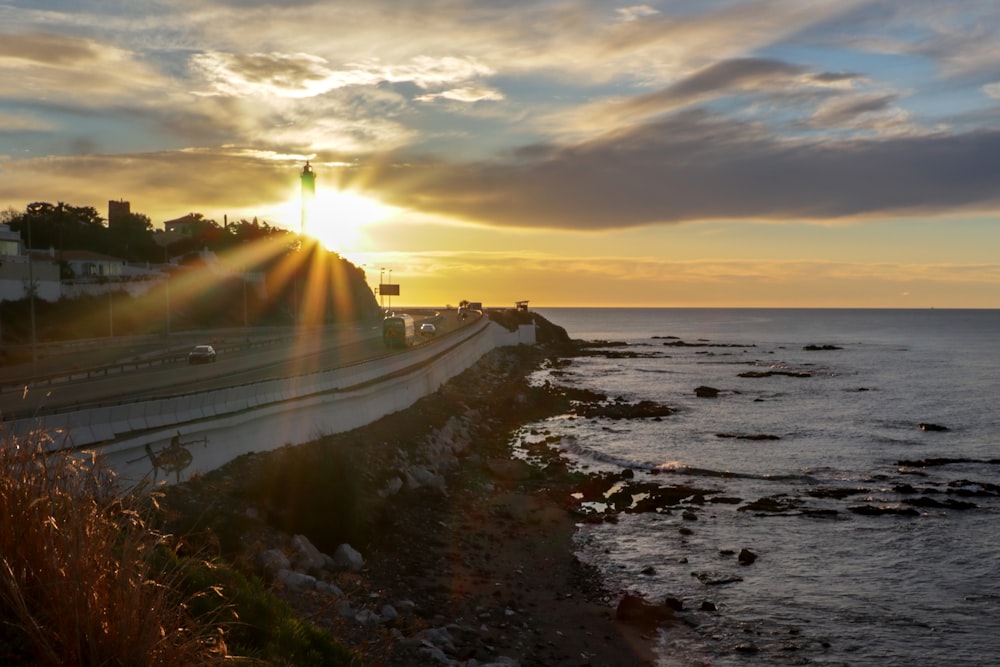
[{"x": 877, "y": 541}]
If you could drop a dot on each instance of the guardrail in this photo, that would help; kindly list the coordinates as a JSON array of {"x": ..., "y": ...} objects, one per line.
[{"x": 208, "y": 429}]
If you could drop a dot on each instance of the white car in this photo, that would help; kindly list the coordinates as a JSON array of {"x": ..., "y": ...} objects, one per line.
[{"x": 428, "y": 329}]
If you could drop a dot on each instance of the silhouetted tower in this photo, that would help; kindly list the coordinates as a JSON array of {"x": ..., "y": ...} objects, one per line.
[
  {"x": 118, "y": 211},
  {"x": 308, "y": 193}
]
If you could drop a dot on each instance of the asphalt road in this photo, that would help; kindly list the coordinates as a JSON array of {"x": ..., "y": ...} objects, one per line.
[{"x": 272, "y": 355}]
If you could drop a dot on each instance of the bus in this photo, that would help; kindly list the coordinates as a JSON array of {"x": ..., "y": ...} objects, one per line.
[{"x": 398, "y": 331}]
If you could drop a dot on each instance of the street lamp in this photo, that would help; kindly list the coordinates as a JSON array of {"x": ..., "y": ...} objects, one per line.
[
  {"x": 381, "y": 281},
  {"x": 31, "y": 295}
]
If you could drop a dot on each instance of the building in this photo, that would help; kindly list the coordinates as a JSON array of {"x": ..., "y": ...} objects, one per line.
[
  {"x": 184, "y": 225},
  {"x": 118, "y": 211},
  {"x": 20, "y": 272}
]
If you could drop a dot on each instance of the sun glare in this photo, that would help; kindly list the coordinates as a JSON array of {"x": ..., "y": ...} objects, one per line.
[{"x": 337, "y": 218}]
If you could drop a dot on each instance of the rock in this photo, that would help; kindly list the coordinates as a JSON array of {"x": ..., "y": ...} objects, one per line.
[
  {"x": 716, "y": 578},
  {"x": 817, "y": 348},
  {"x": 307, "y": 556},
  {"x": 389, "y": 613},
  {"x": 640, "y": 410},
  {"x": 932, "y": 427},
  {"x": 878, "y": 510},
  {"x": 297, "y": 581},
  {"x": 746, "y": 557},
  {"x": 420, "y": 476},
  {"x": 634, "y": 610},
  {"x": 327, "y": 588},
  {"x": 274, "y": 560},
  {"x": 345, "y": 557},
  {"x": 649, "y": 570},
  {"x": 344, "y": 609},
  {"x": 391, "y": 488},
  {"x": 708, "y": 606},
  {"x": 673, "y": 603},
  {"x": 706, "y": 392}
]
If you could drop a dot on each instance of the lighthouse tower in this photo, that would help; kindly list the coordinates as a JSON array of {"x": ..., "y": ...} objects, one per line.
[{"x": 308, "y": 194}]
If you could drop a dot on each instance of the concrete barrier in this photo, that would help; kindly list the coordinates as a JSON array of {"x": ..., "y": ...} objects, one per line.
[{"x": 212, "y": 428}]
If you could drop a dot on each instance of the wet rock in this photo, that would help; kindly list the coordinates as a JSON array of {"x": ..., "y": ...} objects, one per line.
[
  {"x": 673, "y": 603},
  {"x": 634, "y": 610},
  {"x": 748, "y": 436},
  {"x": 640, "y": 410},
  {"x": 883, "y": 510},
  {"x": 820, "y": 348},
  {"x": 767, "y": 374},
  {"x": 706, "y": 392},
  {"x": 951, "y": 504},
  {"x": 932, "y": 427},
  {"x": 746, "y": 557},
  {"x": 771, "y": 504},
  {"x": 838, "y": 493},
  {"x": 716, "y": 578}
]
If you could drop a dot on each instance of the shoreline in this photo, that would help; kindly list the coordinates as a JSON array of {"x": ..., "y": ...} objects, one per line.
[{"x": 468, "y": 551}]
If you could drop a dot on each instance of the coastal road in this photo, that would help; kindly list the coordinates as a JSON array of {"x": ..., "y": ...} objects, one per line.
[{"x": 293, "y": 354}]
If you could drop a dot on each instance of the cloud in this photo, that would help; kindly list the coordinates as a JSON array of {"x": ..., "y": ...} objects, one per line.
[
  {"x": 299, "y": 75},
  {"x": 697, "y": 166},
  {"x": 465, "y": 94},
  {"x": 62, "y": 67},
  {"x": 636, "y": 12}
]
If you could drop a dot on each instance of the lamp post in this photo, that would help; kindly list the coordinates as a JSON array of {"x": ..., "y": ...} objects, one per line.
[
  {"x": 31, "y": 299},
  {"x": 381, "y": 281}
]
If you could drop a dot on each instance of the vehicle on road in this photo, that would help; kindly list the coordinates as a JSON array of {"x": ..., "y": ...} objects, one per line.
[
  {"x": 201, "y": 354},
  {"x": 428, "y": 329},
  {"x": 398, "y": 331}
]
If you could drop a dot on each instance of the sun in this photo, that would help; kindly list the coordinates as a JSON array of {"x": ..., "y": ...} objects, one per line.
[{"x": 337, "y": 218}]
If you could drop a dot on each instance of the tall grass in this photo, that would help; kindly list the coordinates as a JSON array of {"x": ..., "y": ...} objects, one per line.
[{"x": 79, "y": 580}]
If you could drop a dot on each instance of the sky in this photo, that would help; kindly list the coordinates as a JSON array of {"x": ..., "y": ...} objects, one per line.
[{"x": 684, "y": 153}]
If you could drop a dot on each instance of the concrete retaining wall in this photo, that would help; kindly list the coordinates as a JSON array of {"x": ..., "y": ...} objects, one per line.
[{"x": 210, "y": 429}]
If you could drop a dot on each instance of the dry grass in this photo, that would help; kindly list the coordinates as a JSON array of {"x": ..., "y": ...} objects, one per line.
[{"x": 78, "y": 584}]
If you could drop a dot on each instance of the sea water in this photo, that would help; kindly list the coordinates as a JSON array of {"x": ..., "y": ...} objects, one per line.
[{"x": 839, "y": 396}]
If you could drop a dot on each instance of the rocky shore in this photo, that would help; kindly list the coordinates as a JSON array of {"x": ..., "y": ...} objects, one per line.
[{"x": 422, "y": 539}]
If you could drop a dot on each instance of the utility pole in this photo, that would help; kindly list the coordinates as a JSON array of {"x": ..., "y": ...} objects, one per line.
[{"x": 31, "y": 292}]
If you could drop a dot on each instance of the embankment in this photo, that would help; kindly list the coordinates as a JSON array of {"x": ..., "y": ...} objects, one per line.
[{"x": 467, "y": 550}]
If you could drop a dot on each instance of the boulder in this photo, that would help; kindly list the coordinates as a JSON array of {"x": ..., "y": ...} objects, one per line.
[
  {"x": 297, "y": 581},
  {"x": 706, "y": 392},
  {"x": 746, "y": 557},
  {"x": 274, "y": 560},
  {"x": 347, "y": 558},
  {"x": 307, "y": 556}
]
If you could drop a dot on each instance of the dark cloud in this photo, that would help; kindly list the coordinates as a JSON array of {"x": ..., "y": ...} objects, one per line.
[{"x": 697, "y": 166}]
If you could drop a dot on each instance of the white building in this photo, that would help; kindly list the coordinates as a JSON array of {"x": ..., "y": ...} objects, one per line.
[{"x": 18, "y": 273}]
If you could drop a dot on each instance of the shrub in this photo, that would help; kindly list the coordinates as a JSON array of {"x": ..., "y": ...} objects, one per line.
[{"x": 78, "y": 585}]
